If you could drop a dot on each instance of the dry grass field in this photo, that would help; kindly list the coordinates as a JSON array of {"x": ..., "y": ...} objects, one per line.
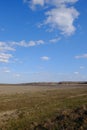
[{"x": 43, "y": 107}]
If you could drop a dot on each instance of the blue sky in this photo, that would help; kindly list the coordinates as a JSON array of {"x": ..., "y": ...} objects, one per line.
[{"x": 43, "y": 40}]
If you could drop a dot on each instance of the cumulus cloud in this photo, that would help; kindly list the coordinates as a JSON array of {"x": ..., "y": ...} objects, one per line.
[
  {"x": 45, "y": 58},
  {"x": 81, "y": 56},
  {"x": 62, "y": 18},
  {"x": 61, "y": 14}
]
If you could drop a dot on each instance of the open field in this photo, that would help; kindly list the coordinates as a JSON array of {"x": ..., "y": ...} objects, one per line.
[{"x": 24, "y": 107}]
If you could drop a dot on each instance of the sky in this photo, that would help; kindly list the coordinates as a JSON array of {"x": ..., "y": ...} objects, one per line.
[{"x": 43, "y": 41}]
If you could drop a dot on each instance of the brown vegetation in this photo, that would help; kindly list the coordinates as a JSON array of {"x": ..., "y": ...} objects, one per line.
[{"x": 46, "y": 107}]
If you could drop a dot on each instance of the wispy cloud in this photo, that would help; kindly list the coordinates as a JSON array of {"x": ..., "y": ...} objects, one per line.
[
  {"x": 82, "y": 67},
  {"x": 61, "y": 14},
  {"x": 4, "y": 57},
  {"x": 81, "y": 56},
  {"x": 45, "y": 58},
  {"x": 17, "y": 75},
  {"x": 10, "y": 46},
  {"x": 6, "y": 70},
  {"x": 54, "y": 40},
  {"x": 5, "y": 46},
  {"x": 76, "y": 73},
  {"x": 33, "y": 3},
  {"x": 37, "y": 2}
]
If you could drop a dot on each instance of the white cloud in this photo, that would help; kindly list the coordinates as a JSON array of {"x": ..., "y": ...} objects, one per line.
[
  {"x": 40, "y": 42},
  {"x": 59, "y": 2},
  {"x": 61, "y": 14},
  {"x": 45, "y": 58},
  {"x": 62, "y": 18},
  {"x": 4, "y": 46},
  {"x": 7, "y": 48},
  {"x": 23, "y": 43},
  {"x": 33, "y": 3},
  {"x": 54, "y": 40},
  {"x": 82, "y": 67},
  {"x": 81, "y": 56},
  {"x": 4, "y": 57},
  {"x": 6, "y": 70},
  {"x": 10, "y": 46},
  {"x": 17, "y": 75},
  {"x": 31, "y": 43},
  {"x": 76, "y": 73},
  {"x": 34, "y": 43},
  {"x": 38, "y": 2}
]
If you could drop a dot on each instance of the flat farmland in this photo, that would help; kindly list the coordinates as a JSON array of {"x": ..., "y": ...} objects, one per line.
[{"x": 30, "y": 107}]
